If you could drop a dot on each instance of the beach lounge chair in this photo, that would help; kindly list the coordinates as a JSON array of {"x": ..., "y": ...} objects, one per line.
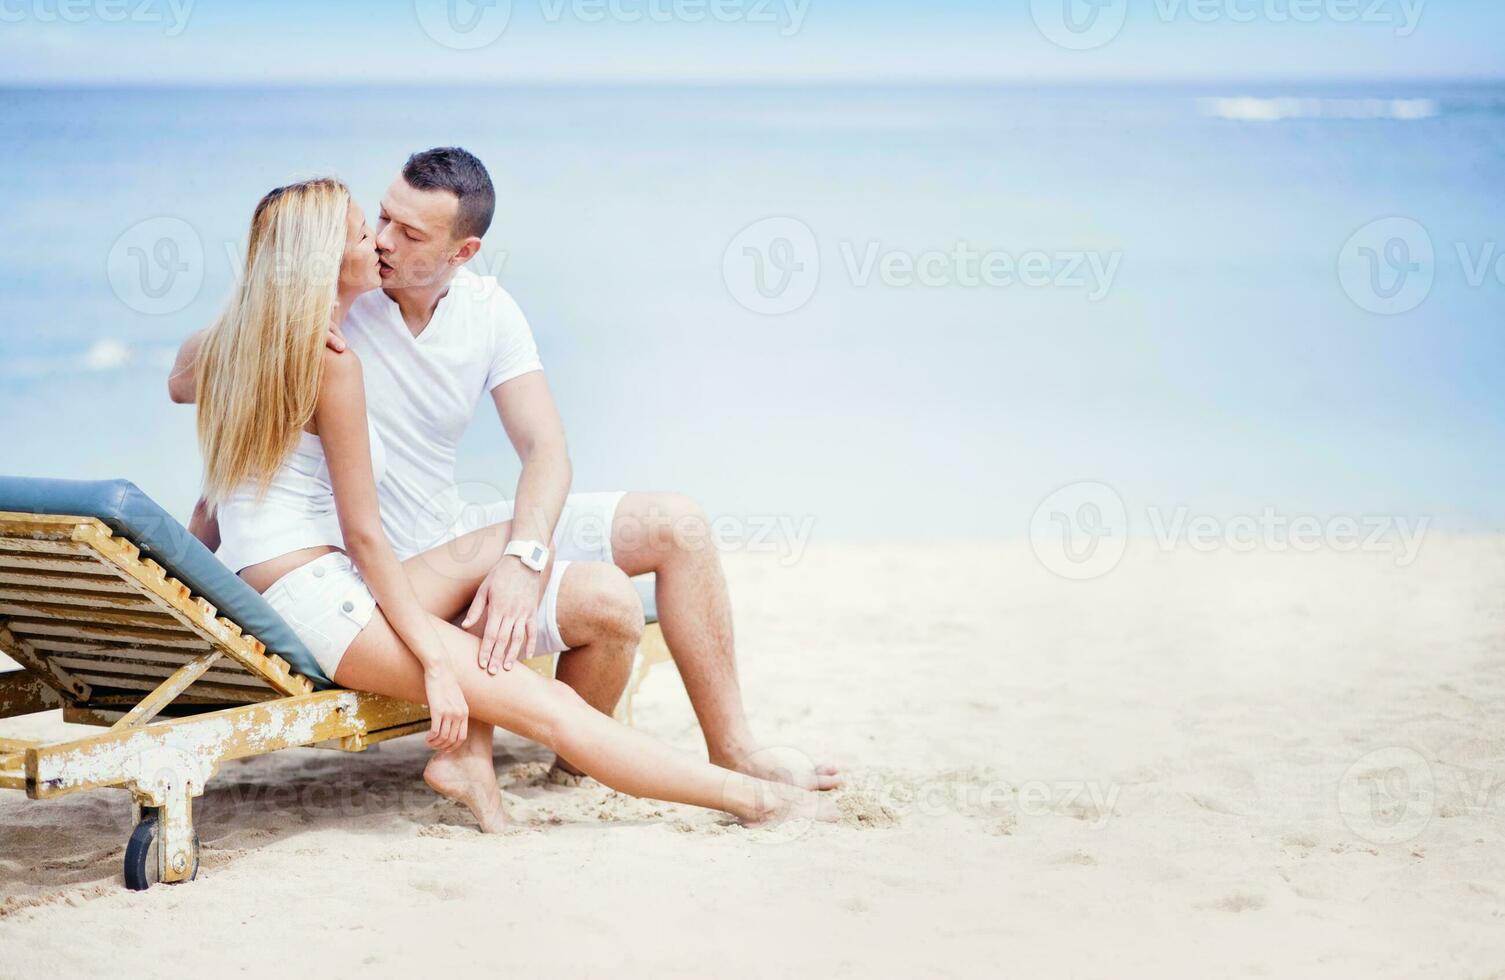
[{"x": 121, "y": 618}]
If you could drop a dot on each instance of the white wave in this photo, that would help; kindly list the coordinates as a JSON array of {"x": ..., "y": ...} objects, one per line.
[
  {"x": 1250, "y": 109},
  {"x": 107, "y": 355}
]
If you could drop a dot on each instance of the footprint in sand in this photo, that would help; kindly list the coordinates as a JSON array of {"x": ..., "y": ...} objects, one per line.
[
  {"x": 1214, "y": 804},
  {"x": 446, "y": 889},
  {"x": 1081, "y": 858},
  {"x": 1005, "y": 826},
  {"x": 1238, "y": 902}
]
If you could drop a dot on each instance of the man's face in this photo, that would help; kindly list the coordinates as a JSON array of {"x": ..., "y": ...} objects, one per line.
[{"x": 415, "y": 237}]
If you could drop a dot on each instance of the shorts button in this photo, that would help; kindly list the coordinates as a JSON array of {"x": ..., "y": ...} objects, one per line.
[
  {"x": 348, "y": 607},
  {"x": 318, "y": 573}
]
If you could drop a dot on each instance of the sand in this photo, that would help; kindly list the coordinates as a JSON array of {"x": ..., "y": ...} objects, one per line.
[{"x": 1199, "y": 765}]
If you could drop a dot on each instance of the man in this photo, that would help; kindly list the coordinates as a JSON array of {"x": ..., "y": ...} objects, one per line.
[{"x": 432, "y": 341}]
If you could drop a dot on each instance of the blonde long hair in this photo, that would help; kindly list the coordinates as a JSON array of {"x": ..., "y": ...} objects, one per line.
[{"x": 260, "y": 367}]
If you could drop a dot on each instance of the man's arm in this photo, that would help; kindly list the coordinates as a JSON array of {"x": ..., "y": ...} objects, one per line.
[
  {"x": 204, "y": 525},
  {"x": 509, "y": 596},
  {"x": 183, "y": 382}
]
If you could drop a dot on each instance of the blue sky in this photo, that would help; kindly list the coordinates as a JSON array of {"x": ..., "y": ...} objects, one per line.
[{"x": 61, "y": 42}]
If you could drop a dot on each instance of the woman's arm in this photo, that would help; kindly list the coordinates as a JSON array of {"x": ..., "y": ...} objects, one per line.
[
  {"x": 341, "y": 420},
  {"x": 204, "y": 525}
]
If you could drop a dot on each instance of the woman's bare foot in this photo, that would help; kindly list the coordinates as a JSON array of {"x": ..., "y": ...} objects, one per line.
[
  {"x": 467, "y": 776},
  {"x": 784, "y": 765}
]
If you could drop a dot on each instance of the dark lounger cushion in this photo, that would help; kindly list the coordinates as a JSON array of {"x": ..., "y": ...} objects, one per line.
[{"x": 131, "y": 514}]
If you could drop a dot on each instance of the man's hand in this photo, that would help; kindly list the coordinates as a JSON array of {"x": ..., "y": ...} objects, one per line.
[
  {"x": 183, "y": 381},
  {"x": 509, "y": 599},
  {"x": 204, "y": 525}
]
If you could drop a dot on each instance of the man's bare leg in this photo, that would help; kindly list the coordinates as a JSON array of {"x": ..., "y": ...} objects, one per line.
[
  {"x": 601, "y": 618},
  {"x": 669, "y": 535}
]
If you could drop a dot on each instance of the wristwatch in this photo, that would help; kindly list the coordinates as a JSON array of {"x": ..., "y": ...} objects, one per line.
[{"x": 532, "y": 553}]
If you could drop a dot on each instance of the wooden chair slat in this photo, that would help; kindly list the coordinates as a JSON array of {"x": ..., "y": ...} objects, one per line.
[{"x": 151, "y": 617}]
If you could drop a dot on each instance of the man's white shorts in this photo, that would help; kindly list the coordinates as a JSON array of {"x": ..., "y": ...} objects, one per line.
[{"x": 583, "y": 534}]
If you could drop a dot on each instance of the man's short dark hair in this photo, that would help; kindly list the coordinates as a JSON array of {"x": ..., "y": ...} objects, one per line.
[{"x": 449, "y": 168}]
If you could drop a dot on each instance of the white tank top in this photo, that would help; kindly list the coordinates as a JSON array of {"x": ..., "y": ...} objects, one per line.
[{"x": 297, "y": 512}]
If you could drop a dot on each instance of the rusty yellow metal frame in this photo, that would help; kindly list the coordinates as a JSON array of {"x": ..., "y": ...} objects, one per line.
[{"x": 113, "y": 640}]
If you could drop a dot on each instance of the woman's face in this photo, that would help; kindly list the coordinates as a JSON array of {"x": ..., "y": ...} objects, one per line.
[{"x": 359, "y": 270}]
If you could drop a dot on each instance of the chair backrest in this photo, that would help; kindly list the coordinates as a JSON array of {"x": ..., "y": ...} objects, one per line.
[{"x": 132, "y": 515}]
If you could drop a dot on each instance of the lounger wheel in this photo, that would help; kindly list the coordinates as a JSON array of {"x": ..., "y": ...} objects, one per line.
[{"x": 142, "y": 861}]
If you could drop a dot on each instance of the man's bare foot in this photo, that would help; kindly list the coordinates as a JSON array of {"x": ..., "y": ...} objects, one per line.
[
  {"x": 561, "y": 773},
  {"x": 468, "y": 778},
  {"x": 784, "y": 765}
]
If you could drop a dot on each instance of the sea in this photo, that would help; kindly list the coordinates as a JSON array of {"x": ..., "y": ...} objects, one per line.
[{"x": 847, "y": 312}]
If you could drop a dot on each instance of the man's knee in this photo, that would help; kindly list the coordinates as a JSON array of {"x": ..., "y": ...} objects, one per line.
[
  {"x": 602, "y": 605},
  {"x": 674, "y": 521}
]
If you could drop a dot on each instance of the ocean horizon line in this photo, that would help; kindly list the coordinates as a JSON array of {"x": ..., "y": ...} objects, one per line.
[{"x": 827, "y": 82}]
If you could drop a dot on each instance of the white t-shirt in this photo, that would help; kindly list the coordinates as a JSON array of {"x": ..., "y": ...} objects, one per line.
[{"x": 422, "y": 393}]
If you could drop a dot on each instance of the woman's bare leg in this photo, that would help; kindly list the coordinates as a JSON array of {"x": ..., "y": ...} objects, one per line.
[
  {"x": 549, "y": 712},
  {"x": 603, "y": 626},
  {"x": 600, "y": 617}
]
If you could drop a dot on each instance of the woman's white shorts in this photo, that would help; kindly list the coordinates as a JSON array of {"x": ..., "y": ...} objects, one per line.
[{"x": 327, "y": 603}]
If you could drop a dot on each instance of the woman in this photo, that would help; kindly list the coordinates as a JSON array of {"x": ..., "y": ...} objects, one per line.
[{"x": 292, "y": 467}]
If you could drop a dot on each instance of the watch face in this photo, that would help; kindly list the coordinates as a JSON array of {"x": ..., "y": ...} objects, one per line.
[{"x": 538, "y": 554}]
